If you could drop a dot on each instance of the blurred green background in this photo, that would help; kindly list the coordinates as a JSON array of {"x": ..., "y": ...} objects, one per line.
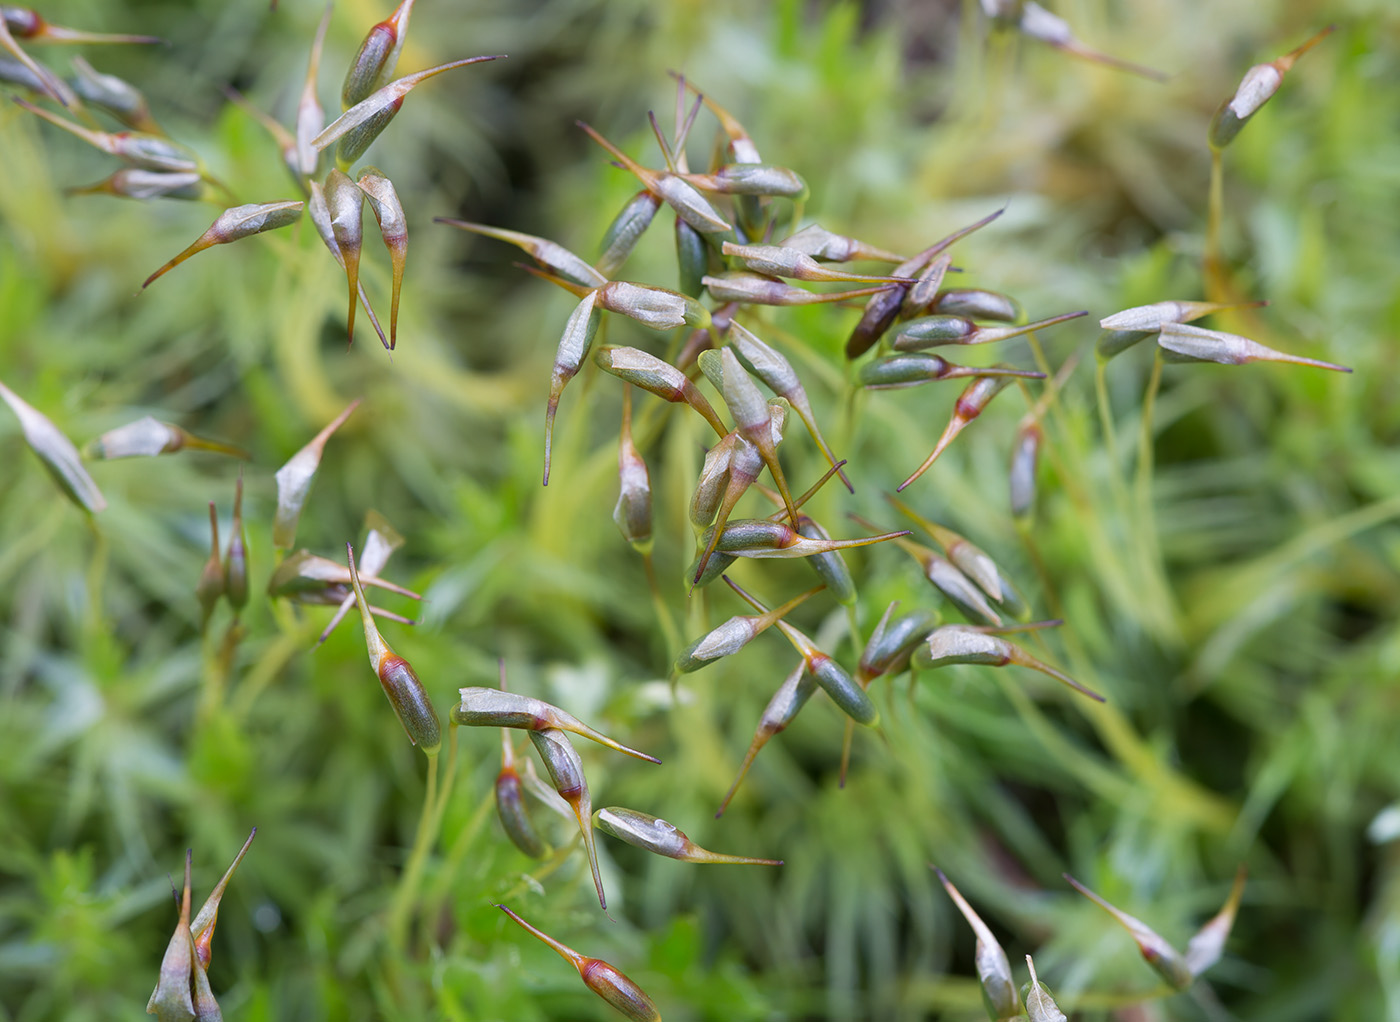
[{"x": 1241, "y": 620}]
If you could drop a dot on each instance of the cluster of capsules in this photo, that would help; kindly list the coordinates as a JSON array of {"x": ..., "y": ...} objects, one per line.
[
  {"x": 159, "y": 167},
  {"x": 725, "y": 220}
]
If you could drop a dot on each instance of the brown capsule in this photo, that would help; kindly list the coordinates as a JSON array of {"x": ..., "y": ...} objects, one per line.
[
  {"x": 393, "y": 228},
  {"x": 202, "y": 926},
  {"x": 663, "y": 838},
  {"x": 882, "y": 309},
  {"x": 236, "y": 561},
  {"x": 401, "y": 685},
  {"x": 565, "y": 769},
  {"x": 234, "y": 224},
  {"x": 968, "y": 407},
  {"x": 493, "y": 707},
  {"x": 28, "y": 24},
  {"x": 600, "y": 977},
  {"x": 378, "y": 55},
  {"x": 510, "y": 804}
]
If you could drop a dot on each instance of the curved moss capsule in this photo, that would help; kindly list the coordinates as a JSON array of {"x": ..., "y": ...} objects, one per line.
[
  {"x": 755, "y": 289},
  {"x": 759, "y": 179},
  {"x": 119, "y": 98},
  {"x": 778, "y": 375},
  {"x": 829, "y": 565},
  {"x": 714, "y": 480},
  {"x": 674, "y": 190},
  {"x": 510, "y": 804},
  {"x": 140, "y": 149},
  {"x": 959, "y": 644},
  {"x": 378, "y": 55},
  {"x": 566, "y": 772},
  {"x": 574, "y": 343},
  {"x": 750, "y": 411},
  {"x": 345, "y": 203},
  {"x": 977, "y": 304},
  {"x": 692, "y": 259},
  {"x": 372, "y": 114},
  {"x": 893, "y": 642},
  {"x": 653, "y": 834},
  {"x": 914, "y": 368},
  {"x": 969, "y": 406},
  {"x": 733, "y": 635},
  {"x": 549, "y": 254},
  {"x": 819, "y": 243},
  {"x": 400, "y": 684},
  {"x": 1164, "y": 959},
  {"x": 236, "y": 561},
  {"x": 999, "y": 993},
  {"x": 765, "y": 538},
  {"x": 780, "y": 261},
  {"x": 882, "y": 309},
  {"x": 1257, "y": 87},
  {"x": 924, "y": 291},
  {"x": 321, "y": 219},
  {"x": 600, "y": 977},
  {"x": 494, "y": 707},
  {"x": 56, "y": 452},
  {"x": 393, "y": 229},
  {"x": 294, "y": 480},
  {"x": 656, "y": 377},
  {"x": 843, "y": 690},
  {"x": 655, "y": 307},
  {"x": 625, "y": 230},
  {"x": 1182, "y": 342},
  {"x": 233, "y": 224},
  {"x": 781, "y": 710}
]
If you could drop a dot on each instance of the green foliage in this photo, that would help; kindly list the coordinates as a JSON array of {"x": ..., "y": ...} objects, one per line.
[{"x": 1233, "y": 593}]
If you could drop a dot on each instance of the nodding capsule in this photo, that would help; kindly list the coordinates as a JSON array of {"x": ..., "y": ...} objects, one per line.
[{"x": 515, "y": 818}]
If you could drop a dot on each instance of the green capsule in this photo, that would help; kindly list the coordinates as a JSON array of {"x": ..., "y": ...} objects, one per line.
[
  {"x": 1257, "y": 87},
  {"x": 1115, "y": 342},
  {"x": 759, "y": 179},
  {"x": 627, "y": 227},
  {"x": 378, "y": 55},
  {"x": 692, "y": 259},
  {"x": 294, "y": 481},
  {"x": 914, "y": 368},
  {"x": 931, "y": 331},
  {"x": 977, "y": 304},
  {"x": 843, "y": 690},
  {"x": 733, "y": 635},
  {"x": 829, "y": 566},
  {"x": 661, "y": 837},
  {"x": 656, "y": 377},
  {"x": 1025, "y": 460},
  {"x": 549, "y": 254},
  {"x": 140, "y": 149},
  {"x": 566, "y": 771},
  {"x": 893, "y": 642},
  {"x": 1181, "y": 342},
  {"x": 674, "y": 190},
  {"x": 961, "y": 644},
  {"x": 714, "y": 480},
  {"x": 134, "y": 183},
  {"x": 573, "y": 349},
  {"x": 632, "y": 513},
  {"x": 756, "y": 289},
  {"x": 655, "y": 307},
  {"x": 819, "y": 243},
  {"x": 750, "y": 412}
]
